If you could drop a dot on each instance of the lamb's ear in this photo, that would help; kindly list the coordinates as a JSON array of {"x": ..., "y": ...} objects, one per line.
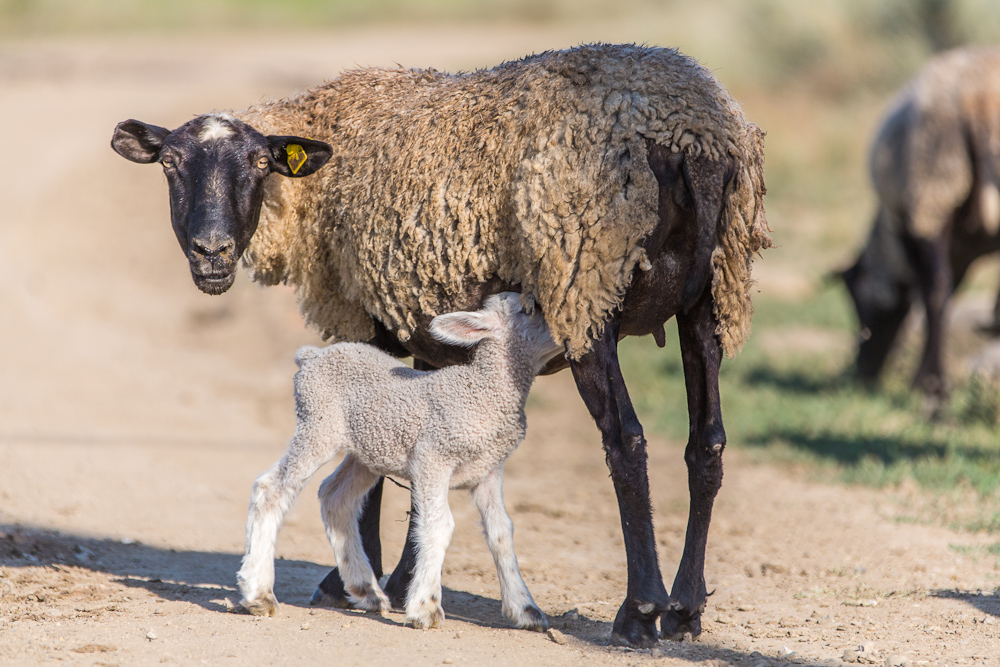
[
  {"x": 139, "y": 142},
  {"x": 297, "y": 156},
  {"x": 463, "y": 328}
]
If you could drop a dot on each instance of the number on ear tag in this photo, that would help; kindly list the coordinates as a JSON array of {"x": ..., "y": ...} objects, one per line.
[{"x": 296, "y": 157}]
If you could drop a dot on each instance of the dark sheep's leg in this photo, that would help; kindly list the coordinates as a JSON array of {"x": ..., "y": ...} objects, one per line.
[
  {"x": 934, "y": 279},
  {"x": 599, "y": 380},
  {"x": 702, "y": 356},
  {"x": 399, "y": 580},
  {"x": 330, "y": 592}
]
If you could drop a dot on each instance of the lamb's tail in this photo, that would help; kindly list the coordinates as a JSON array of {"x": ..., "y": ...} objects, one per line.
[{"x": 305, "y": 353}]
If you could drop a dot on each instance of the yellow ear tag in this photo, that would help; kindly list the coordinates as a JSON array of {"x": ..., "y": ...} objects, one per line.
[{"x": 296, "y": 157}]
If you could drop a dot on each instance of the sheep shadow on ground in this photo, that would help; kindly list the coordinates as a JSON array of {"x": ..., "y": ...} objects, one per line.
[
  {"x": 985, "y": 601},
  {"x": 799, "y": 381},
  {"x": 206, "y": 579}
]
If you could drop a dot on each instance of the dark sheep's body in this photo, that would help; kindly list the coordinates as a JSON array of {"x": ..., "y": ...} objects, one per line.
[
  {"x": 615, "y": 186},
  {"x": 935, "y": 165}
]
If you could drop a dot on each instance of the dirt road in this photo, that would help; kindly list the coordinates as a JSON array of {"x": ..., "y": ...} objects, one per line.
[{"x": 135, "y": 413}]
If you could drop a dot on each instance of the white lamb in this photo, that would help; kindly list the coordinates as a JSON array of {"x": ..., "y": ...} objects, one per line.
[{"x": 450, "y": 428}]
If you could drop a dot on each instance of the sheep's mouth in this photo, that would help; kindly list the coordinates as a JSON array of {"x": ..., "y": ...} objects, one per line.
[{"x": 214, "y": 283}]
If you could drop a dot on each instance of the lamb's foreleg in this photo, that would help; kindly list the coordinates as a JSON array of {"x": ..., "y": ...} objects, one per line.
[
  {"x": 702, "y": 355},
  {"x": 518, "y": 605},
  {"x": 434, "y": 528},
  {"x": 341, "y": 497},
  {"x": 273, "y": 494}
]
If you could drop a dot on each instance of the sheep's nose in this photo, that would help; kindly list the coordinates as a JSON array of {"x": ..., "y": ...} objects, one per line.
[{"x": 213, "y": 247}]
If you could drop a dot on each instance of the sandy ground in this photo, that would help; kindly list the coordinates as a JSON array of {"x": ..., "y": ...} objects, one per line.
[{"x": 135, "y": 413}]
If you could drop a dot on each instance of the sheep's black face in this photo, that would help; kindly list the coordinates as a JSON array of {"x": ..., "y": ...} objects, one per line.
[
  {"x": 215, "y": 168},
  {"x": 881, "y": 304}
]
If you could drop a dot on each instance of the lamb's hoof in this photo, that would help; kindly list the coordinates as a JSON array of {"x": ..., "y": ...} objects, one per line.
[
  {"x": 678, "y": 624},
  {"x": 531, "y": 618},
  {"x": 635, "y": 625},
  {"x": 321, "y": 598},
  {"x": 425, "y": 614},
  {"x": 264, "y": 605},
  {"x": 369, "y": 598}
]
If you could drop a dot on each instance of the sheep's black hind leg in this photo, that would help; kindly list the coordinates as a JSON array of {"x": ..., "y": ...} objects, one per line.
[
  {"x": 599, "y": 380},
  {"x": 330, "y": 592},
  {"x": 399, "y": 581},
  {"x": 702, "y": 355}
]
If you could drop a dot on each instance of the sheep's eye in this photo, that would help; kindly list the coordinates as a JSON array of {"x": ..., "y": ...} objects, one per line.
[
  {"x": 167, "y": 163},
  {"x": 262, "y": 163}
]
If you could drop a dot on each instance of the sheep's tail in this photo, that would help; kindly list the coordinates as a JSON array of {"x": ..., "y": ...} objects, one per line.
[{"x": 305, "y": 353}]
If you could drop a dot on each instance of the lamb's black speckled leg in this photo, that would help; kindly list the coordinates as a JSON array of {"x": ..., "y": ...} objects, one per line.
[
  {"x": 330, "y": 592},
  {"x": 599, "y": 380},
  {"x": 702, "y": 356}
]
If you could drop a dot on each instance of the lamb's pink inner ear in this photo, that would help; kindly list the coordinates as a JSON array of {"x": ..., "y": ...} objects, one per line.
[{"x": 462, "y": 328}]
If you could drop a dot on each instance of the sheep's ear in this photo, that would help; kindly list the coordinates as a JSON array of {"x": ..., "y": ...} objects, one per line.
[
  {"x": 139, "y": 142},
  {"x": 297, "y": 156},
  {"x": 463, "y": 328}
]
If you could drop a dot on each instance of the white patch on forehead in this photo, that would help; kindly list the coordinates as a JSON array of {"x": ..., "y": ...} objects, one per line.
[{"x": 215, "y": 127}]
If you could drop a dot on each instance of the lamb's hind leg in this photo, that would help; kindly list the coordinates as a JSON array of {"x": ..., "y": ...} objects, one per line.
[
  {"x": 518, "y": 605},
  {"x": 273, "y": 494},
  {"x": 701, "y": 355},
  {"x": 341, "y": 496},
  {"x": 331, "y": 592},
  {"x": 599, "y": 379}
]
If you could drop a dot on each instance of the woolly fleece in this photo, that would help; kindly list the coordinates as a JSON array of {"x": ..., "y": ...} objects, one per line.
[
  {"x": 942, "y": 133},
  {"x": 533, "y": 171}
]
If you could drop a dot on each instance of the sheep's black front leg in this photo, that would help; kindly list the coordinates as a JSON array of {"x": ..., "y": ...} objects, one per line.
[
  {"x": 330, "y": 592},
  {"x": 702, "y": 356},
  {"x": 599, "y": 380}
]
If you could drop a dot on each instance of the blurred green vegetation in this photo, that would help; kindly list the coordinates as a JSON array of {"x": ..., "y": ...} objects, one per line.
[
  {"x": 817, "y": 76},
  {"x": 791, "y": 397}
]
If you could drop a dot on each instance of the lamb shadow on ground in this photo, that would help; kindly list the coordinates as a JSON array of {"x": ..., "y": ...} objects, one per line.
[
  {"x": 987, "y": 602},
  {"x": 206, "y": 579}
]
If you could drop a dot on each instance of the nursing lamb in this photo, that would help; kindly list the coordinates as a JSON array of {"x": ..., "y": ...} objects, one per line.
[{"x": 451, "y": 428}]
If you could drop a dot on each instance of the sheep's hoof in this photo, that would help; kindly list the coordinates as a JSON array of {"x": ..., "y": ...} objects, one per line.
[
  {"x": 321, "y": 598},
  {"x": 427, "y": 615},
  {"x": 330, "y": 592},
  {"x": 677, "y": 623},
  {"x": 532, "y": 618},
  {"x": 635, "y": 626},
  {"x": 265, "y": 605}
]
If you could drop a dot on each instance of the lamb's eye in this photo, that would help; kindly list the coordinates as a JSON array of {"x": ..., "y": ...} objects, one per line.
[
  {"x": 167, "y": 163},
  {"x": 262, "y": 163}
]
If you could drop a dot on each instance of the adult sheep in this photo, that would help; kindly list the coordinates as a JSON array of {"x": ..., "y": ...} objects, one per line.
[
  {"x": 616, "y": 186},
  {"x": 935, "y": 165}
]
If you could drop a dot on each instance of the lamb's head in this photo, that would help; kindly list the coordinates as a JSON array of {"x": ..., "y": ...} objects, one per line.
[
  {"x": 215, "y": 167},
  {"x": 503, "y": 320}
]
